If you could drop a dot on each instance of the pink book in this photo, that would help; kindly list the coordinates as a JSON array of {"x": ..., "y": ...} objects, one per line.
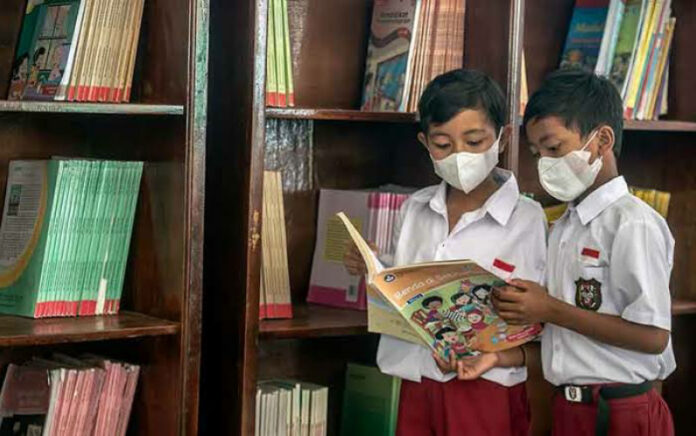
[{"x": 128, "y": 396}]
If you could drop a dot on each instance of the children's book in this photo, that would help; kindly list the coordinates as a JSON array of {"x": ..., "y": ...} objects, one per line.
[
  {"x": 585, "y": 34},
  {"x": 445, "y": 305},
  {"x": 388, "y": 54},
  {"x": 626, "y": 43},
  {"x": 44, "y": 45}
]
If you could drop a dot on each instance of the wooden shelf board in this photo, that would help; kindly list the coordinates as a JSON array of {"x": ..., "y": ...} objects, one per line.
[
  {"x": 19, "y": 331},
  {"x": 311, "y": 321},
  {"x": 683, "y": 307},
  {"x": 90, "y": 108},
  {"x": 660, "y": 126},
  {"x": 340, "y": 115}
]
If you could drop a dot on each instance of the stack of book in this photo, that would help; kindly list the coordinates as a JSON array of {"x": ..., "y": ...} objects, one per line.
[
  {"x": 288, "y": 408},
  {"x": 628, "y": 41},
  {"x": 65, "y": 236},
  {"x": 280, "y": 89},
  {"x": 77, "y": 50},
  {"x": 68, "y": 396},
  {"x": 370, "y": 402},
  {"x": 411, "y": 42},
  {"x": 375, "y": 215},
  {"x": 274, "y": 298}
]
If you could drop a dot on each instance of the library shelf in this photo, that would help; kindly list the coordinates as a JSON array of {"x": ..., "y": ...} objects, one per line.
[
  {"x": 340, "y": 115},
  {"x": 90, "y": 108},
  {"x": 312, "y": 321}
]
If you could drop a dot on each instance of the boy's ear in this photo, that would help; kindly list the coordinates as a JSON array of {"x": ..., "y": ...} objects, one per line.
[
  {"x": 505, "y": 139},
  {"x": 423, "y": 140},
  {"x": 606, "y": 139}
]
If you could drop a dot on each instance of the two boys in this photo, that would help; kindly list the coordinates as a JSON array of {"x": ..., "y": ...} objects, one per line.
[{"x": 606, "y": 303}]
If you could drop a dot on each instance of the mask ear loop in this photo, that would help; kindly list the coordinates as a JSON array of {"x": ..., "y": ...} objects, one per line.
[{"x": 587, "y": 143}]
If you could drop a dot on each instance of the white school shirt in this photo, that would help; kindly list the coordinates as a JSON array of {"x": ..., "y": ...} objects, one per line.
[
  {"x": 508, "y": 227},
  {"x": 622, "y": 244}
]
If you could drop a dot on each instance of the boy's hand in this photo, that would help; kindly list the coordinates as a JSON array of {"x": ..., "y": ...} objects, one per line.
[
  {"x": 353, "y": 261},
  {"x": 523, "y": 302},
  {"x": 445, "y": 366},
  {"x": 471, "y": 368}
]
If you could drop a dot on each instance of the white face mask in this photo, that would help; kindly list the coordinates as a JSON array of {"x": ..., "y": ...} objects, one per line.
[
  {"x": 465, "y": 170},
  {"x": 565, "y": 178}
]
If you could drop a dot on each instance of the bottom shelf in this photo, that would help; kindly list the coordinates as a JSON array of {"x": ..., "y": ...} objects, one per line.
[
  {"x": 16, "y": 331},
  {"x": 683, "y": 307},
  {"x": 311, "y": 321}
]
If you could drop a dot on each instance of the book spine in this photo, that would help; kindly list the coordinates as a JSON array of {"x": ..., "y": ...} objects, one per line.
[
  {"x": 288, "y": 55},
  {"x": 271, "y": 76},
  {"x": 279, "y": 52},
  {"x": 62, "y": 91},
  {"x": 134, "y": 51}
]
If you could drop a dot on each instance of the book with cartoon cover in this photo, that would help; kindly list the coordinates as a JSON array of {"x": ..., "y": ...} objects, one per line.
[{"x": 445, "y": 305}]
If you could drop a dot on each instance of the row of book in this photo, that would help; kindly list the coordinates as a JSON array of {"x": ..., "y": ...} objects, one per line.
[
  {"x": 64, "y": 396},
  {"x": 274, "y": 295},
  {"x": 411, "y": 42},
  {"x": 290, "y": 408},
  {"x": 65, "y": 236},
  {"x": 280, "y": 89},
  {"x": 77, "y": 50},
  {"x": 374, "y": 214},
  {"x": 628, "y": 41}
]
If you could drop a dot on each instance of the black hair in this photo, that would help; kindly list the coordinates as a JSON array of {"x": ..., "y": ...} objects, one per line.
[
  {"x": 487, "y": 288},
  {"x": 429, "y": 300},
  {"x": 440, "y": 333},
  {"x": 456, "y": 296},
  {"x": 40, "y": 51},
  {"x": 583, "y": 100},
  {"x": 450, "y": 93}
]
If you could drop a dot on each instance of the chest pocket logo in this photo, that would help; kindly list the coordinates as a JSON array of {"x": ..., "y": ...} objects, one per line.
[{"x": 588, "y": 294}]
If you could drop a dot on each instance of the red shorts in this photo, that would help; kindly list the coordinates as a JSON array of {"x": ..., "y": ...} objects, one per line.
[
  {"x": 455, "y": 408},
  {"x": 642, "y": 415}
]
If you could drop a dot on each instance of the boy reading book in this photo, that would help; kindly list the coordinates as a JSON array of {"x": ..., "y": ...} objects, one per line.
[
  {"x": 606, "y": 301},
  {"x": 476, "y": 213}
]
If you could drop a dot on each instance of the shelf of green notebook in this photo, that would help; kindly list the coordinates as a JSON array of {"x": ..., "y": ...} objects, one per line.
[
  {"x": 405, "y": 117},
  {"x": 310, "y": 320},
  {"x": 90, "y": 108},
  {"x": 20, "y": 331}
]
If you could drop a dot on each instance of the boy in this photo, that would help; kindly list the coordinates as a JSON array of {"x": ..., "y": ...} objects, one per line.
[
  {"x": 607, "y": 301},
  {"x": 476, "y": 213}
]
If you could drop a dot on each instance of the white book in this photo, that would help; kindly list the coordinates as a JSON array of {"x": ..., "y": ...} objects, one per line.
[{"x": 62, "y": 91}]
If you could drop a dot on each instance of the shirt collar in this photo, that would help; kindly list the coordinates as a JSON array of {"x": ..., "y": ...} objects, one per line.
[
  {"x": 600, "y": 199},
  {"x": 499, "y": 205}
]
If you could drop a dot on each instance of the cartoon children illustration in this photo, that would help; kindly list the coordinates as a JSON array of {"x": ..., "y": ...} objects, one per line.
[
  {"x": 20, "y": 72},
  {"x": 476, "y": 319},
  {"x": 33, "y": 81},
  {"x": 432, "y": 307},
  {"x": 453, "y": 340},
  {"x": 482, "y": 294},
  {"x": 460, "y": 300}
]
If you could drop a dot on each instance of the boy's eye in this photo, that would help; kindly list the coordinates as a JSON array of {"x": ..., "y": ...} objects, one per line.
[
  {"x": 441, "y": 144},
  {"x": 475, "y": 143}
]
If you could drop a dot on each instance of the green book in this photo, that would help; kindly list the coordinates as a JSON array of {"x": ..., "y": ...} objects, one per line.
[
  {"x": 271, "y": 73},
  {"x": 278, "y": 40},
  {"x": 626, "y": 44},
  {"x": 85, "y": 232},
  {"x": 290, "y": 84},
  {"x": 370, "y": 402}
]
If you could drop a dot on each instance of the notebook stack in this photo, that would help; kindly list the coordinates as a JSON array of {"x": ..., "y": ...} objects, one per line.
[
  {"x": 68, "y": 396},
  {"x": 65, "y": 236},
  {"x": 288, "y": 408}
]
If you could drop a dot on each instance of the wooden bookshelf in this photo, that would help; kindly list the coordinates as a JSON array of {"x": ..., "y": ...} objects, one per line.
[
  {"x": 164, "y": 126},
  {"x": 90, "y": 108},
  {"x": 356, "y": 150},
  {"x": 311, "y": 321}
]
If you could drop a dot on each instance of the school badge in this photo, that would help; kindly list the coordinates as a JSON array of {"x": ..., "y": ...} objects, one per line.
[{"x": 588, "y": 294}]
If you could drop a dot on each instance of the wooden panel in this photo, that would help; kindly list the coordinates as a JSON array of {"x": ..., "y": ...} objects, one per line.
[
  {"x": 486, "y": 34},
  {"x": 11, "y": 14},
  {"x": 321, "y": 360},
  {"x": 340, "y": 115},
  {"x": 682, "y": 94},
  {"x": 233, "y": 198},
  {"x": 329, "y": 47},
  {"x": 315, "y": 321},
  {"x": 546, "y": 27}
]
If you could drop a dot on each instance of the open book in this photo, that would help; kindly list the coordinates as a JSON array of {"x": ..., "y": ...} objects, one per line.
[{"x": 444, "y": 305}]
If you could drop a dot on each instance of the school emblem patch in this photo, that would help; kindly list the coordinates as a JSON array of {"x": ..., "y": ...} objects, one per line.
[{"x": 588, "y": 294}]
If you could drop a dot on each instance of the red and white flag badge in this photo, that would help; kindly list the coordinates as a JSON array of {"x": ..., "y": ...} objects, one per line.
[
  {"x": 502, "y": 269},
  {"x": 589, "y": 255}
]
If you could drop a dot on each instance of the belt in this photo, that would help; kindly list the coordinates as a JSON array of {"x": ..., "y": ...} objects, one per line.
[{"x": 584, "y": 394}]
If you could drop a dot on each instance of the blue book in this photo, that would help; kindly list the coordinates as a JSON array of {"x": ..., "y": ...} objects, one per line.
[{"x": 585, "y": 34}]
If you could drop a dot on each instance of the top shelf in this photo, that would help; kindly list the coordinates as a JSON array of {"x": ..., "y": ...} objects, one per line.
[
  {"x": 404, "y": 117},
  {"x": 90, "y": 108}
]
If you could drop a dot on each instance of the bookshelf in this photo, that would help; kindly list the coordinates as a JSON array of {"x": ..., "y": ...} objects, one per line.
[
  {"x": 355, "y": 150},
  {"x": 159, "y": 326}
]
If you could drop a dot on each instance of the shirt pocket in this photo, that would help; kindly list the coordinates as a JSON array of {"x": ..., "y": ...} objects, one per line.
[{"x": 591, "y": 285}]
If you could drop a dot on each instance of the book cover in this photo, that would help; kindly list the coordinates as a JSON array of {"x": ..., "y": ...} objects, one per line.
[
  {"x": 388, "y": 54},
  {"x": 638, "y": 65},
  {"x": 585, "y": 34},
  {"x": 447, "y": 304},
  {"x": 370, "y": 402},
  {"x": 43, "y": 48}
]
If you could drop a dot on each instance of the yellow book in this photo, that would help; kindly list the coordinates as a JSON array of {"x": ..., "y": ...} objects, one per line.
[
  {"x": 649, "y": 25},
  {"x": 662, "y": 66}
]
